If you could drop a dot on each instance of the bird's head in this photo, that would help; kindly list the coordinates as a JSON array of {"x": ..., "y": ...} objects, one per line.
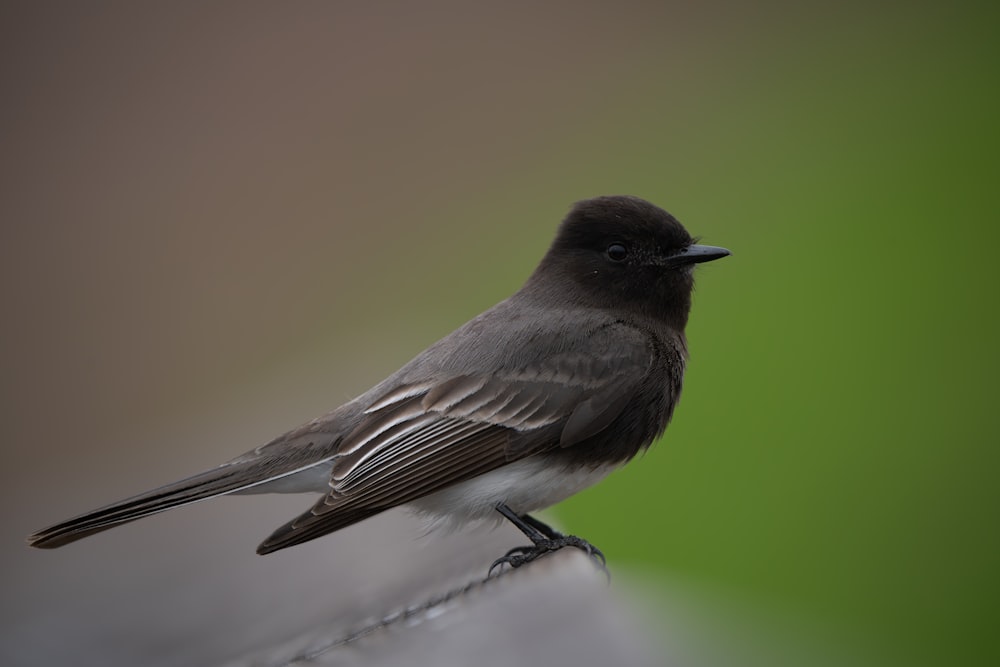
[{"x": 623, "y": 252}]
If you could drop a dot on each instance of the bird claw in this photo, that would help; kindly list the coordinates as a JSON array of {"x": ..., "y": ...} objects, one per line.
[{"x": 523, "y": 555}]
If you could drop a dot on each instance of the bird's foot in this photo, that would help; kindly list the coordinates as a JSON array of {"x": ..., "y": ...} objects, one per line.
[
  {"x": 519, "y": 556},
  {"x": 544, "y": 539}
]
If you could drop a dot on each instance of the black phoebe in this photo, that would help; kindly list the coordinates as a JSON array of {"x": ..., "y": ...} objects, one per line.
[{"x": 537, "y": 398}]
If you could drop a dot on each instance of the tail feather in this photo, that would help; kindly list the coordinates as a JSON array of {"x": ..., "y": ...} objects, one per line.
[{"x": 209, "y": 484}]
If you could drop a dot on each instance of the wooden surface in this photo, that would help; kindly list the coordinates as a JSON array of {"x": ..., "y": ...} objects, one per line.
[
  {"x": 185, "y": 589},
  {"x": 558, "y": 610}
]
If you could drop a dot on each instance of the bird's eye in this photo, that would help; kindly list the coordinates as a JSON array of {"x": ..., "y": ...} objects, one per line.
[{"x": 617, "y": 252}]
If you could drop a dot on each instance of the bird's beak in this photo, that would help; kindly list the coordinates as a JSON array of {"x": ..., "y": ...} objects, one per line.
[{"x": 696, "y": 254}]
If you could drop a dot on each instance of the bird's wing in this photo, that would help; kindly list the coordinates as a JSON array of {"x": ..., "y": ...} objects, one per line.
[{"x": 424, "y": 436}]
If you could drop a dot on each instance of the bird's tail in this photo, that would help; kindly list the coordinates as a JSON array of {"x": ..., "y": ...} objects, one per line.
[{"x": 219, "y": 481}]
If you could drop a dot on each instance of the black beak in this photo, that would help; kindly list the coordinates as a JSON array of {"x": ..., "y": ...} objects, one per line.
[{"x": 696, "y": 254}]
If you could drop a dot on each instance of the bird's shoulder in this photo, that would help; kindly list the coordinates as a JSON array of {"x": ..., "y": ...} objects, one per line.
[
  {"x": 531, "y": 339},
  {"x": 521, "y": 367}
]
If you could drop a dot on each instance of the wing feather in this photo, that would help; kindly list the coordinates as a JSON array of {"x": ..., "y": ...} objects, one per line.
[{"x": 422, "y": 436}]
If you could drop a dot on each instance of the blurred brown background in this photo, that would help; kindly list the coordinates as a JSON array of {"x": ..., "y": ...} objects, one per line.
[{"x": 220, "y": 220}]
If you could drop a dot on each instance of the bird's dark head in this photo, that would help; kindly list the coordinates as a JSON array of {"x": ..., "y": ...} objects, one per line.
[{"x": 623, "y": 252}]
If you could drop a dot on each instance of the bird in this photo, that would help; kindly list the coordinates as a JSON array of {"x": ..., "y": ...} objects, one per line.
[{"x": 535, "y": 399}]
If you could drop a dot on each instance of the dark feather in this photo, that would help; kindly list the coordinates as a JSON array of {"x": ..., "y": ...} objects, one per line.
[
  {"x": 419, "y": 439},
  {"x": 300, "y": 451}
]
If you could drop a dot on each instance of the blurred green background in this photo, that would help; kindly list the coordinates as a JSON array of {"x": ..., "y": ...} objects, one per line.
[{"x": 231, "y": 209}]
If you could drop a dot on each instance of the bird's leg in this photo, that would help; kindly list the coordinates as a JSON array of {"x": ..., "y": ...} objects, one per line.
[
  {"x": 544, "y": 539},
  {"x": 541, "y": 526}
]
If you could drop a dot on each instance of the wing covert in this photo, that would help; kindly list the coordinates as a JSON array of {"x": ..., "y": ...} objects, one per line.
[{"x": 422, "y": 436}]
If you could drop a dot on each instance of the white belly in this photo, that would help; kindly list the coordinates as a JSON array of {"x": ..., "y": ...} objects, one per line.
[{"x": 525, "y": 486}]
